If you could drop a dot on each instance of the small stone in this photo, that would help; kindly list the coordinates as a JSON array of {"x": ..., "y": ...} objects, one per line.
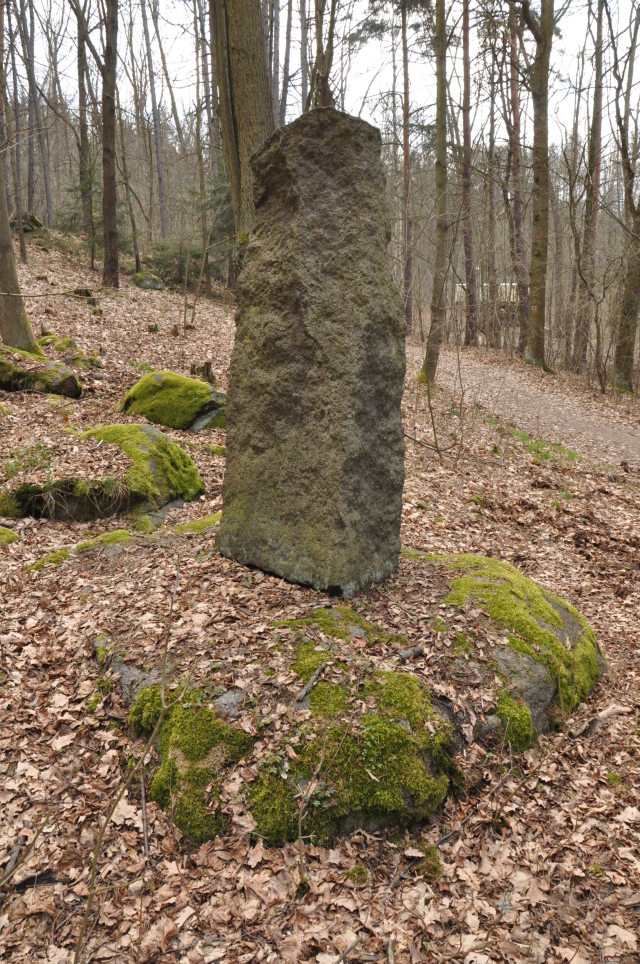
[{"x": 153, "y": 328}]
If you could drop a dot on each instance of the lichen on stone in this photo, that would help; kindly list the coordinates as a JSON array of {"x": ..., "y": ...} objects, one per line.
[
  {"x": 168, "y": 398},
  {"x": 195, "y": 746},
  {"x": 70, "y": 350}
]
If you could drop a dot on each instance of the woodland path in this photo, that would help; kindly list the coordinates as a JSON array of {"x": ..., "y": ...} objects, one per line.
[{"x": 558, "y": 408}]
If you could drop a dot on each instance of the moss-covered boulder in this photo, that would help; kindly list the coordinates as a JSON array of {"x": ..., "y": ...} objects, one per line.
[
  {"x": 195, "y": 747},
  {"x": 176, "y": 401},
  {"x": 147, "y": 281},
  {"x": 7, "y": 537},
  {"x": 160, "y": 471},
  {"x": 22, "y": 371},
  {"x": 70, "y": 352},
  {"x": 376, "y": 757},
  {"x": 542, "y": 648}
]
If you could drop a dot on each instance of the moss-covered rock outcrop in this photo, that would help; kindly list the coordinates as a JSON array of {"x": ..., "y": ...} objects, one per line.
[
  {"x": 195, "y": 747},
  {"x": 160, "y": 471},
  {"x": 22, "y": 371},
  {"x": 176, "y": 401},
  {"x": 147, "y": 281},
  {"x": 548, "y": 655}
]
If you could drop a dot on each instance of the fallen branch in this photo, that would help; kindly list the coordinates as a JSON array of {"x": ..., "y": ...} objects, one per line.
[{"x": 312, "y": 682}]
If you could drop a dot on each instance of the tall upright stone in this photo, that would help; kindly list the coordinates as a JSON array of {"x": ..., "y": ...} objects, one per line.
[{"x": 315, "y": 451}]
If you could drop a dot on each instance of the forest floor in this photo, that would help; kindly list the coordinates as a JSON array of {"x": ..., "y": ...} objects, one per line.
[{"x": 540, "y": 862}]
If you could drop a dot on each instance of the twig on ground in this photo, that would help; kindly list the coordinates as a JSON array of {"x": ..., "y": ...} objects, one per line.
[{"x": 312, "y": 682}]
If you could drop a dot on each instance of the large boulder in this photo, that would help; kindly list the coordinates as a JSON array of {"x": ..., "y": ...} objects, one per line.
[
  {"x": 313, "y": 485},
  {"x": 176, "y": 401},
  {"x": 147, "y": 281},
  {"x": 23, "y": 371},
  {"x": 159, "y": 472}
]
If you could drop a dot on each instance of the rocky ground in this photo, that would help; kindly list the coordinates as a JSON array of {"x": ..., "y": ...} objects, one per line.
[{"x": 537, "y": 860}]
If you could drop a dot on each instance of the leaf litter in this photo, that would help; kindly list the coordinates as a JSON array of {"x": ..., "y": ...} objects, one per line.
[{"x": 539, "y": 861}]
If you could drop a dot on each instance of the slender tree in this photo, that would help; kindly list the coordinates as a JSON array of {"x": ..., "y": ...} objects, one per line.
[
  {"x": 441, "y": 259},
  {"x": 157, "y": 133},
  {"x": 541, "y": 27},
  {"x": 407, "y": 226},
  {"x": 471, "y": 327}
]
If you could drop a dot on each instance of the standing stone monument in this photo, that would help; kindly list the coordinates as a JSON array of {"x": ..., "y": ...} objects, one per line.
[{"x": 315, "y": 451}]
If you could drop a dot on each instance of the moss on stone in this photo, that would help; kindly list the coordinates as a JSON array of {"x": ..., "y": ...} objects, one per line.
[
  {"x": 462, "y": 645},
  {"x": 328, "y": 699},
  {"x": 70, "y": 350},
  {"x": 197, "y": 525},
  {"x": 159, "y": 470},
  {"x": 195, "y": 745},
  {"x": 8, "y": 536},
  {"x": 38, "y": 374},
  {"x": 308, "y": 659},
  {"x": 515, "y": 717},
  {"x": 142, "y": 523},
  {"x": 532, "y": 617},
  {"x": 116, "y": 537},
  {"x": 51, "y": 559},
  {"x": 342, "y": 622},
  {"x": 382, "y": 770},
  {"x": 167, "y": 398},
  {"x": 219, "y": 450}
]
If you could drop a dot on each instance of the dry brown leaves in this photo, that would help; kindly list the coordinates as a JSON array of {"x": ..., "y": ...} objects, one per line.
[{"x": 541, "y": 862}]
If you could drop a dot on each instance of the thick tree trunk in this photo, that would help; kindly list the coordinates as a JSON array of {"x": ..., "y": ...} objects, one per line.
[
  {"x": 111, "y": 267},
  {"x": 542, "y": 31},
  {"x": 275, "y": 59},
  {"x": 586, "y": 281},
  {"x": 407, "y": 227},
  {"x": 16, "y": 153},
  {"x": 471, "y": 326},
  {"x": 157, "y": 134},
  {"x": 15, "y": 329},
  {"x": 629, "y": 310},
  {"x": 246, "y": 113},
  {"x": 439, "y": 291}
]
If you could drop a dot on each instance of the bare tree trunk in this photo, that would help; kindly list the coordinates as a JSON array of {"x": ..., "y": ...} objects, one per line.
[
  {"x": 542, "y": 31},
  {"x": 157, "y": 134},
  {"x": 492, "y": 322},
  {"x": 246, "y": 113},
  {"x": 275, "y": 59},
  {"x": 285, "y": 68},
  {"x": 15, "y": 329},
  {"x": 439, "y": 291},
  {"x": 31, "y": 121},
  {"x": 16, "y": 153},
  {"x": 203, "y": 196},
  {"x": 520, "y": 265},
  {"x": 304, "y": 62},
  {"x": 174, "y": 107},
  {"x": 86, "y": 188},
  {"x": 471, "y": 327},
  {"x": 586, "y": 282},
  {"x": 28, "y": 50},
  {"x": 407, "y": 227},
  {"x": 111, "y": 266},
  {"x": 127, "y": 188}
]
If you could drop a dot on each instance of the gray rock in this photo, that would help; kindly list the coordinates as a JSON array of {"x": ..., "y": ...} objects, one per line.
[
  {"x": 21, "y": 371},
  {"x": 147, "y": 281},
  {"x": 531, "y": 681},
  {"x": 314, "y": 472}
]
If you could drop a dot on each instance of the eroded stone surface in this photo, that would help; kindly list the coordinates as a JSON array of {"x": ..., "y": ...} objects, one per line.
[{"x": 313, "y": 486}]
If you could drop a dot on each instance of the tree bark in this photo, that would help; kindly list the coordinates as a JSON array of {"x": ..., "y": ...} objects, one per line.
[
  {"x": 246, "y": 113},
  {"x": 520, "y": 264},
  {"x": 586, "y": 281},
  {"x": 542, "y": 31},
  {"x": 282, "y": 117},
  {"x": 304, "y": 61},
  {"x": 471, "y": 327},
  {"x": 439, "y": 293},
  {"x": 111, "y": 266},
  {"x": 157, "y": 134},
  {"x": 407, "y": 227},
  {"x": 491, "y": 316},
  {"x": 84, "y": 167}
]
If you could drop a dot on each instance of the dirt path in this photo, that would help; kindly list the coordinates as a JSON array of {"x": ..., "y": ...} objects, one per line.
[{"x": 557, "y": 408}]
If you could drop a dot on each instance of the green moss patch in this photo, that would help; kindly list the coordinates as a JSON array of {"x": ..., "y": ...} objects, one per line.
[
  {"x": 8, "y": 536},
  {"x": 167, "y": 398},
  {"x": 205, "y": 524},
  {"x": 515, "y": 717},
  {"x": 116, "y": 537},
  {"x": 160, "y": 470},
  {"x": 380, "y": 758},
  {"x": 539, "y": 624},
  {"x": 195, "y": 747},
  {"x": 51, "y": 559}
]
